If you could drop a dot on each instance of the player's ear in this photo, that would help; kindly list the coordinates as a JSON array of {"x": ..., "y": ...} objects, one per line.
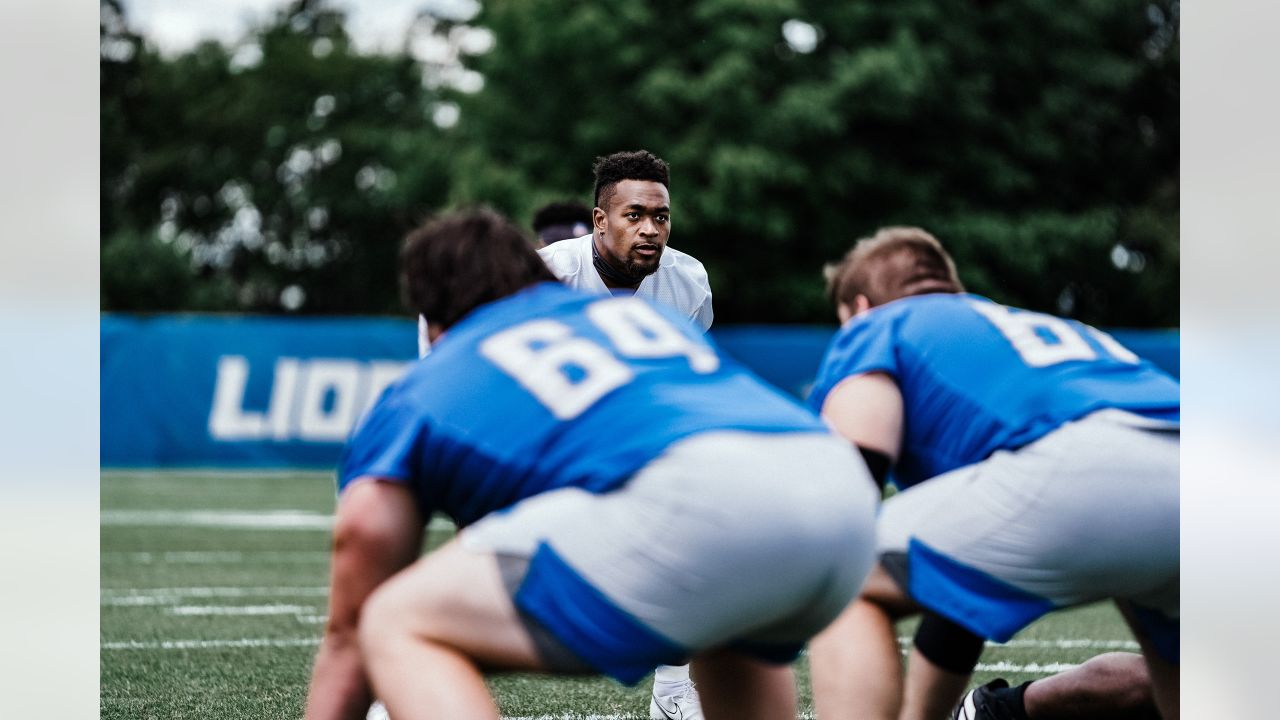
[
  {"x": 599, "y": 218},
  {"x": 846, "y": 311}
]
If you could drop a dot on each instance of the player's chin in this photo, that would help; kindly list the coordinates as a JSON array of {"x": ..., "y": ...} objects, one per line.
[{"x": 642, "y": 266}]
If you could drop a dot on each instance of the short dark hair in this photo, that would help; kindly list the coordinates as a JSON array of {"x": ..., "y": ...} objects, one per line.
[
  {"x": 864, "y": 270},
  {"x": 558, "y": 220},
  {"x": 454, "y": 263},
  {"x": 636, "y": 165}
]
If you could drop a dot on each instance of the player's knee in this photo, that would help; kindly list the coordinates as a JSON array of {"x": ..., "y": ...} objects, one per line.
[
  {"x": 401, "y": 609},
  {"x": 382, "y": 618}
]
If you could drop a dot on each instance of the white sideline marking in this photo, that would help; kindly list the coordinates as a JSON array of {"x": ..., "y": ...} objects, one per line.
[
  {"x": 267, "y": 520},
  {"x": 1030, "y": 669},
  {"x": 574, "y": 716},
  {"x": 234, "y": 519},
  {"x": 997, "y": 667},
  {"x": 204, "y": 610},
  {"x": 215, "y": 557},
  {"x": 171, "y": 596},
  {"x": 571, "y": 716},
  {"x": 1058, "y": 644},
  {"x": 1068, "y": 644},
  {"x": 211, "y": 644}
]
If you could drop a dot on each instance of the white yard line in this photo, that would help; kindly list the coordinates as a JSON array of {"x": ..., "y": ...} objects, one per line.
[
  {"x": 231, "y": 557},
  {"x": 1029, "y": 669},
  {"x": 210, "y": 610},
  {"x": 211, "y": 644},
  {"x": 632, "y": 716},
  {"x": 232, "y": 519},
  {"x": 237, "y": 519},
  {"x": 1059, "y": 644},
  {"x": 996, "y": 667},
  {"x": 171, "y": 596},
  {"x": 1068, "y": 644}
]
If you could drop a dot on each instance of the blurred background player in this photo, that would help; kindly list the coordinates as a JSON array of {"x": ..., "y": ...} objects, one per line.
[
  {"x": 1039, "y": 465},
  {"x": 558, "y": 221},
  {"x": 644, "y": 482}
]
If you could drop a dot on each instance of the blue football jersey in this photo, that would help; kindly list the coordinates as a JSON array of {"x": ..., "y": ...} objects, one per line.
[
  {"x": 551, "y": 388},
  {"x": 977, "y": 376}
]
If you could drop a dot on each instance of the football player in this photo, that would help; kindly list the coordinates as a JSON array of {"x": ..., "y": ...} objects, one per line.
[
  {"x": 558, "y": 221},
  {"x": 621, "y": 488},
  {"x": 1038, "y": 463}
]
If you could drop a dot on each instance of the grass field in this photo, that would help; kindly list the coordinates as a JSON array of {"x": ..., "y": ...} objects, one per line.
[{"x": 214, "y": 592}]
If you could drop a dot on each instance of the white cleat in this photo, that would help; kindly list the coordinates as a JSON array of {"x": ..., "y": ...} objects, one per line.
[{"x": 681, "y": 704}]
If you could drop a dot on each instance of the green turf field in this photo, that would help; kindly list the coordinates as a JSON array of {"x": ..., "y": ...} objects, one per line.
[{"x": 214, "y": 593}]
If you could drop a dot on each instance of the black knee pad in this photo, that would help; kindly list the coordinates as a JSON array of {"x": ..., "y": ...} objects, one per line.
[{"x": 948, "y": 645}]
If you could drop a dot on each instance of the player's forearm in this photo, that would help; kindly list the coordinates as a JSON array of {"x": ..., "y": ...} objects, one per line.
[
  {"x": 377, "y": 532},
  {"x": 339, "y": 689}
]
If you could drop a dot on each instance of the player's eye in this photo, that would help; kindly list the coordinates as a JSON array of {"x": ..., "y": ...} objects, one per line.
[
  {"x": 662, "y": 218},
  {"x": 633, "y": 215}
]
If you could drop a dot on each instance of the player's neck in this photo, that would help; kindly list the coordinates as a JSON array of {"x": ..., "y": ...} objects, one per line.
[{"x": 613, "y": 278}]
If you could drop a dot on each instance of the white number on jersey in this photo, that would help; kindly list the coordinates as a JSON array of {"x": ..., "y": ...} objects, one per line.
[
  {"x": 539, "y": 355},
  {"x": 639, "y": 332},
  {"x": 568, "y": 374},
  {"x": 1022, "y": 328}
]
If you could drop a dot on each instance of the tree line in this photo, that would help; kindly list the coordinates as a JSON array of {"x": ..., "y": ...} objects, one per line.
[{"x": 278, "y": 173}]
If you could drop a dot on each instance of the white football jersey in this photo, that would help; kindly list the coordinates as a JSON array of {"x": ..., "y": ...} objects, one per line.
[{"x": 680, "y": 281}]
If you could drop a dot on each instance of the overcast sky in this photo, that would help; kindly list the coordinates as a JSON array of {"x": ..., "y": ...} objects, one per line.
[{"x": 175, "y": 25}]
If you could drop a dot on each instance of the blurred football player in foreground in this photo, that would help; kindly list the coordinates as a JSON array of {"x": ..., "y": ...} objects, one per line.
[
  {"x": 627, "y": 497},
  {"x": 619, "y": 247},
  {"x": 623, "y": 252},
  {"x": 1038, "y": 463}
]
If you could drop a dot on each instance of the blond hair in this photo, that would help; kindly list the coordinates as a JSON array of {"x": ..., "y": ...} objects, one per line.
[{"x": 867, "y": 268}]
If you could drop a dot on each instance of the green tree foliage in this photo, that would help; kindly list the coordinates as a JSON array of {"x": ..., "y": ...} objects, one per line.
[
  {"x": 1038, "y": 140},
  {"x": 282, "y": 172}
]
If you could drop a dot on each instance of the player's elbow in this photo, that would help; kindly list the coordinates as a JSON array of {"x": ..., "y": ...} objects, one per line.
[
  {"x": 369, "y": 525},
  {"x": 356, "y": 534},
  {"x": 360, "y": 548}
]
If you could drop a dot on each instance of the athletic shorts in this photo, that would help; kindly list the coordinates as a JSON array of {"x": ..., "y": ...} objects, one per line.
[
  {"x": 1088, "y": 512},
  {"x": 752, "y": 541}
]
